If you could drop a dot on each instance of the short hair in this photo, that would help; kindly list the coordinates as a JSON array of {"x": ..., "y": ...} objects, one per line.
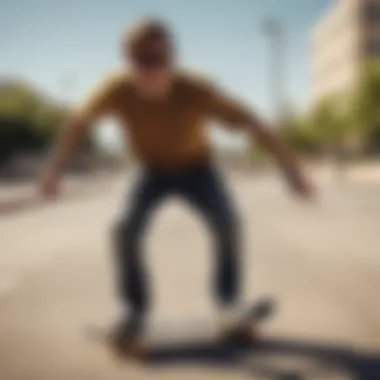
[{"x": 146, "y": 30}]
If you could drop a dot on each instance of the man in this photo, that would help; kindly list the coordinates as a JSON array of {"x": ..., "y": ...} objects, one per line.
[{"x": 164, "y": 110}]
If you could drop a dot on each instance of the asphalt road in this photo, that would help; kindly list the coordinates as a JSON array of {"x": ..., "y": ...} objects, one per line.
[{"x": 320, "y": 261}]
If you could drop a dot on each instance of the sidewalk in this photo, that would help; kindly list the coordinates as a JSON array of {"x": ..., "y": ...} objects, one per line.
[{"x": 368, "y": 172}]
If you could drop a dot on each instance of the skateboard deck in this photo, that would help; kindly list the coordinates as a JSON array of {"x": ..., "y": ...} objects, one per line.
[{"x": 175, "y": 339}]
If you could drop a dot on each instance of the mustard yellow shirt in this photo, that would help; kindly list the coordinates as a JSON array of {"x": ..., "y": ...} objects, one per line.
[{"x": 168, "y": 133}]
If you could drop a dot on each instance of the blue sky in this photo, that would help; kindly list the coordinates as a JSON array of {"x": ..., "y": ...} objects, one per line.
[{"x": 66, "y": 46}]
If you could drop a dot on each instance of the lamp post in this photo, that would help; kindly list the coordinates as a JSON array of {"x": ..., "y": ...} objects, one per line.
[{"x": 273, "y": 31}]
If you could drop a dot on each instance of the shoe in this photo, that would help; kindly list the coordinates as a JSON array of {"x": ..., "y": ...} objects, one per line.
[
  {"x": 233, "y": 329},
  {"x": 239, "y": 334},
  {"x": 126, "y": 338}
]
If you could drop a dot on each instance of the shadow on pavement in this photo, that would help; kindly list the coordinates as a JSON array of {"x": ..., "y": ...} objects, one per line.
[{"x": 276, "y": 360}]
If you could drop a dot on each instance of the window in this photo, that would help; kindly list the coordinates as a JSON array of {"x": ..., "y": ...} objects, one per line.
[{"x": 371, "y": 13}]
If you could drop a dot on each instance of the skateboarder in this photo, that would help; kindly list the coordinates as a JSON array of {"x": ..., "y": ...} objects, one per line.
[{"x": 164, "y": 109}]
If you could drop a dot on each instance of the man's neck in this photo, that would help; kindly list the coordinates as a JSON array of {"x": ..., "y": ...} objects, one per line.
[{"x": 158, "y": 89}]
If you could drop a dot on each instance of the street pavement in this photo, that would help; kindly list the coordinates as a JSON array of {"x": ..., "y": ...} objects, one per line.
[{"x": 320, "y": 261}]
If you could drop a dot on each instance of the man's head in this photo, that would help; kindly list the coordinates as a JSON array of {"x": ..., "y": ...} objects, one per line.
[{"x": 149, "y": 48}]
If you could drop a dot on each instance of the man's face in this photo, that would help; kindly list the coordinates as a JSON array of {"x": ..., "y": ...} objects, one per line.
[{"x": 152, "y": 60}]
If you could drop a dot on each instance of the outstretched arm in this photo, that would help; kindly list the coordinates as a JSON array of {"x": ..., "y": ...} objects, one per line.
[
  {"x": 236, "y": 115},
  {"x": 98, "y": 104},
  {"x": 267, "y": 138}
]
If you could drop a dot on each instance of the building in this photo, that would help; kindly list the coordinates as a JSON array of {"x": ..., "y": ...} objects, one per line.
[{"x": 344, "y": 37}]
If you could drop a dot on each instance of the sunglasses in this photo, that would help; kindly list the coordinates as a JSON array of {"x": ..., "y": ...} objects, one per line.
[{"x": 151, "y": 60}]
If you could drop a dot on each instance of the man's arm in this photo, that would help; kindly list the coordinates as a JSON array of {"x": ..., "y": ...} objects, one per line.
[
  {"x": 270, "y": 140},
  {"x": 99, "y": 103},
  {"x": 238, "y": 116},
  {"x": 66, "y": 143}
]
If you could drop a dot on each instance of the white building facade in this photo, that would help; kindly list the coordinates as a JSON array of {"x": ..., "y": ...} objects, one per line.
[{"x": 341, "y": 40}]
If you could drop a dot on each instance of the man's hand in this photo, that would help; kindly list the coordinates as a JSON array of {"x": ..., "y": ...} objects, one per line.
[
  {"x": 49, "y": 185},
  {"x": 67, "y": 140},
  {"x": 300, "y": 185},
  {"x": 270, "y": 140}
]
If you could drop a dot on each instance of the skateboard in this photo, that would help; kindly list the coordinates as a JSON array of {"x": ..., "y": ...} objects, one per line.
[{"x": 174, "y": 339}]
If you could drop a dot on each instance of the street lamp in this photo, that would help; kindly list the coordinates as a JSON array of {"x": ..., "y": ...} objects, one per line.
[{"x": 273, "y": 31}]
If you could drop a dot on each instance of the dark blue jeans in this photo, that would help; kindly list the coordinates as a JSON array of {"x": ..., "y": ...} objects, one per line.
[{"x": 203, "y": 188}]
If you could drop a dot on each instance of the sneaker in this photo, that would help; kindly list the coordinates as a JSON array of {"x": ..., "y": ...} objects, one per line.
[
  {"x": 232, "y": 327},
  {"x": 126, "y": 337},
  {"x": 239, "y": 334}
]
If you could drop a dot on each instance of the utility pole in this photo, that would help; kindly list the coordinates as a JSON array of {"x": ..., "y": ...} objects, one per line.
[{"x": 273, "y": 31}]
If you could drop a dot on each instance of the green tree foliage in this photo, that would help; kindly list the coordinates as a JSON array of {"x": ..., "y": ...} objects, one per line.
[
  {"x": 341, "y": 123},
  {"x": 366, "y": 104},
  {"x": 329, "y": 119},
  {"x": 298, "y": 134},
  {"x": 28, "y": 120},
  {"x": 325, "y": 129}
]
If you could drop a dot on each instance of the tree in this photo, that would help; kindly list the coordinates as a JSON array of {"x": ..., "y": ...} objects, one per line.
[
  {"x": 365, "y": 104},
  {"x": 298, "y": 134},
  {"x": 28, "y": 120},
  {"x": 332, "y": 121}
]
